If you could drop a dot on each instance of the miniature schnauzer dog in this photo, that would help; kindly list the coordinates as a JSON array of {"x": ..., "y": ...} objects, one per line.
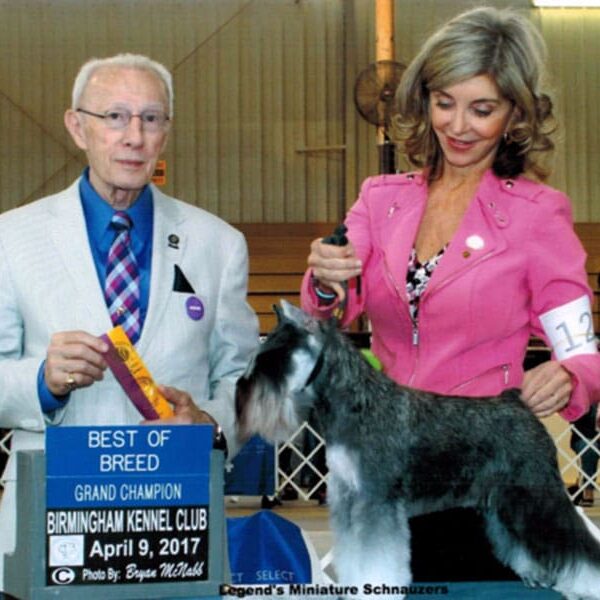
[{"x": 394, "y": 452}]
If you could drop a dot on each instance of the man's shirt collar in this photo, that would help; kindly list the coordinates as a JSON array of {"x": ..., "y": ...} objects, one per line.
[{"x": 98, "y": 213}]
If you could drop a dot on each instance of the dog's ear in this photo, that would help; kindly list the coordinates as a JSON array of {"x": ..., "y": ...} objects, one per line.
[
  {"x": 278, "y": 313},
  {"x": 289, "y": 312},
  {"x": 285, "y": 312}
]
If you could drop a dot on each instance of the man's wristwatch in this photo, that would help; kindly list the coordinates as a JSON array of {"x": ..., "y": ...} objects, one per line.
[{"x": 219, "y": 441}]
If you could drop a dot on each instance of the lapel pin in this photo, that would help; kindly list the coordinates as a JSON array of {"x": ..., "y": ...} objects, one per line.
[
  {"x": 475, "y": 242},
  {"x": 194, "y": 308},
  {"x": 173, "y": 241}
]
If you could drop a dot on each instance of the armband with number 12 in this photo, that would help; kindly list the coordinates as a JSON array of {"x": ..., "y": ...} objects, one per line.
[{"x": 570, "y": 329}]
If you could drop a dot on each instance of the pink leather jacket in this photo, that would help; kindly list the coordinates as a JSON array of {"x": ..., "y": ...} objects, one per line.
[{"x": 514, "y": 258}]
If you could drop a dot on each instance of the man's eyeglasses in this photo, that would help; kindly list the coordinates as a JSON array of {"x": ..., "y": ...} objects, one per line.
[{"x": 152, "y": 120}]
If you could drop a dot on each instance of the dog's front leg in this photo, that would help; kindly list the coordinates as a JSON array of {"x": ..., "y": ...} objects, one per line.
[
  {"x": 372, "y": 553},
  {"x": 371, "y": 546}
]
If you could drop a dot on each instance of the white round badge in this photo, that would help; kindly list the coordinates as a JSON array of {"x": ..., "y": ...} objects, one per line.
[{"x": 475, "y": 242}]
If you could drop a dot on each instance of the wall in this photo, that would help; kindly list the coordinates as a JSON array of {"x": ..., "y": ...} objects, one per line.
[
  {"x": 573, "y": 37},
  {"x": 256, "y": 84},
  {"x": 265, "y": 128}
]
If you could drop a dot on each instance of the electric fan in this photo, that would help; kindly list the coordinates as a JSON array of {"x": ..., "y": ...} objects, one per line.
[{"x": 374, "y": 91}]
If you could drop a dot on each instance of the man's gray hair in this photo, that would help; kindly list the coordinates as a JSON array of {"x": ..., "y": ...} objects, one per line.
[{"x": 125, "y": 61}]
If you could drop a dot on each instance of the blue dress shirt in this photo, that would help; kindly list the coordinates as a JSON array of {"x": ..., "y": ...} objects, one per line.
[{"x": 98, "y": 214}]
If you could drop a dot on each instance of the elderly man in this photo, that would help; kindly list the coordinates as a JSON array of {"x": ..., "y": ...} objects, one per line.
[{"x": 112, "y": 249}]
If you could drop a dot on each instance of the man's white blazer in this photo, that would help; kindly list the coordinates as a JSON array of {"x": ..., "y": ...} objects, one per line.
[{"x": 48, "y": 284}]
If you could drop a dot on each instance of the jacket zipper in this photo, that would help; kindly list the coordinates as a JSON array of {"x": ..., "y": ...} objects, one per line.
[
  {"x": 505, "y": 368},
  {"x": 415, "y": 333},
  {"x": 415, "y": 323},
  {"x": 441, "y": 284},
  {"x": 403, "y": 301}
]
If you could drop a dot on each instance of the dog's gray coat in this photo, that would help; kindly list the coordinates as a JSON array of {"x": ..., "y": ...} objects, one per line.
[{"x": 395, "y": 452}]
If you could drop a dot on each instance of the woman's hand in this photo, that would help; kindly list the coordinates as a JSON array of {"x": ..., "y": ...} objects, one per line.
[
  {"x": 331, "y": 265},
  {"x": 546, "y": 388}
]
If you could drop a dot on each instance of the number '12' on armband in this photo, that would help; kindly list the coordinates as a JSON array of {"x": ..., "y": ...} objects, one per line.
[{"x": 570, "y": 328}]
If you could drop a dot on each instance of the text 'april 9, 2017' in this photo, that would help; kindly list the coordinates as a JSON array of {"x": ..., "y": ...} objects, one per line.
[{"x": 129, "y": 506}]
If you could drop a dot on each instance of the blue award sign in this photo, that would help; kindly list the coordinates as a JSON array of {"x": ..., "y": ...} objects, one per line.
[{"x": 127, "y": 504}]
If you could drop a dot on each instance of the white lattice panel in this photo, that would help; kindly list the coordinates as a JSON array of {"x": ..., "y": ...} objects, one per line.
[
  {"x": 300, "y": 461},
  {"x": 4, "y": 450},
  {"x": 570, "y": 463}
]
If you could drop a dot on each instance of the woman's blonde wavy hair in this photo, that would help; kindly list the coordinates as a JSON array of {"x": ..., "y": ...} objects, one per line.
[{"x": 499, "y": 43}]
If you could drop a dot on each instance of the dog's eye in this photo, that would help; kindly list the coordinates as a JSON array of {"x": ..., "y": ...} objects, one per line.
[{"x": 265, "y": 360}]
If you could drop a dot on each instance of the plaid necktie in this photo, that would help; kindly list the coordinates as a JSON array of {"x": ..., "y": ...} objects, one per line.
[{"x": 122, "y": 286}]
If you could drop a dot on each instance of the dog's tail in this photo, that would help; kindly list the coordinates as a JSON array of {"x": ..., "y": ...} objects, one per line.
[
  {"x": 582, "y": 579},
  {"x": 546, "y": 540}
]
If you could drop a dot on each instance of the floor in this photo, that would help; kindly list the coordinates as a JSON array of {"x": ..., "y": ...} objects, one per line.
[{"x": 314, "y": 519}]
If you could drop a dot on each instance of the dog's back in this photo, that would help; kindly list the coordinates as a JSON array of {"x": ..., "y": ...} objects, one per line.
[{"x": 394, "y": 452}]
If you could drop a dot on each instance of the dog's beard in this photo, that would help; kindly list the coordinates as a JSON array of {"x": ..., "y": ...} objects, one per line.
[
  {"x": 266, "y": 410},
  {"x": 274, "y": 395}
]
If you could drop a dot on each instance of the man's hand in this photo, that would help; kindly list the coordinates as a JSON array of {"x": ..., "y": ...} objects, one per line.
[
  {"x": 186, "y": 412},
  {"x": 74, "y": 359}
]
